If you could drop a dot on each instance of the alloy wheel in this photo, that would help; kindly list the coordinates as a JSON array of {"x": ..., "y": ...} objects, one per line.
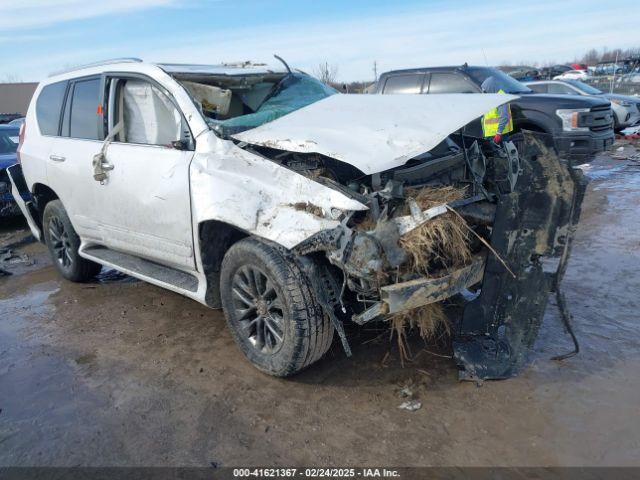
[
  {"x": 60, "y": 242},
  {"x": 258, "y": 309}
]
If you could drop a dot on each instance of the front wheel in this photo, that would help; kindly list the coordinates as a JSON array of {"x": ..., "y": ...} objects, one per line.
[
  {"x": 271, "y": 309},
  {"x": 63, "y": 243}
]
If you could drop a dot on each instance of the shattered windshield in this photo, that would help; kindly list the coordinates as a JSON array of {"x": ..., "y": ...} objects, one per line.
[
  {"x": 504, "y": 82},
  {"x": 293, "y": 92}
]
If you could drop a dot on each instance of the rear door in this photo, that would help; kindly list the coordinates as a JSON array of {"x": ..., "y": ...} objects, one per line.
[
  {"x": 79, "y": 138},
  {"x": 143, "y": 207}
]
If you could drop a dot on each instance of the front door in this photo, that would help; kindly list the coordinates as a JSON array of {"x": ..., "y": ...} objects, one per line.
[{"x": 143, "y": 207}]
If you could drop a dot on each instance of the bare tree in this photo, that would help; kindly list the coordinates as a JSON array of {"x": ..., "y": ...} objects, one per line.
[
  {"x": 10, "y": 78},
  {"x": 591, "y": 57},
  {"x": 326, "y": 73}
]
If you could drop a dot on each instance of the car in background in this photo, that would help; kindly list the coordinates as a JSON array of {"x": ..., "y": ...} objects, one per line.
[
  {"x": 9, "y": 136},
  {"x": 626, "y": 109},
  {"x": 16, "y": 122},
  {"x": 580, "y": 126},
  {"x": 522, "y": 73},
  {"x": 573, "y": 75},
  {"x": 553, "y": 71},
  {"x": 8, "y": 117},
  {"x": 630, "y": 78},
  {"x": 609, "y": 68}
]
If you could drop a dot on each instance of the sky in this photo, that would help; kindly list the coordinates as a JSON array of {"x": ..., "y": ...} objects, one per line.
[{"x": 38, "y": 37}]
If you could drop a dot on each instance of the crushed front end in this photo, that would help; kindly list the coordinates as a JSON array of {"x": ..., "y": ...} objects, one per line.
[{"x": 520, "y": 203}]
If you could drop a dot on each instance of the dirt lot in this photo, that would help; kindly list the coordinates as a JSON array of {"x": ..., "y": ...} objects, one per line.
[{"x": 120, "y": 372}]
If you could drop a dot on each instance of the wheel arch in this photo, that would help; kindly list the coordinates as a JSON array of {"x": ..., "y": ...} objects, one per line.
[
  {"x": 42, "y": 194},
  {"x": 215, "y": 238},
  {"x": 532, "y": 125}
]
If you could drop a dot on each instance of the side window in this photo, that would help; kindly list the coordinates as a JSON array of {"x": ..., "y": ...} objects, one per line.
[
  {"x": 559, "y": 88},
  {"x": 450, "y": 83},
  {"x": 48, "y": 107},
  {"x": 147, "y": 115},
  {"x": 83, "y": 118},
  {"x": 406, "y": 83},
  {"x": 539, "y": 87}
]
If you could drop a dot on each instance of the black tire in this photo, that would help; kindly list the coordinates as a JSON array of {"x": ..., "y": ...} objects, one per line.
[
  {"x": 258, "y": 280},
  {"x": 63, "y": 243}
]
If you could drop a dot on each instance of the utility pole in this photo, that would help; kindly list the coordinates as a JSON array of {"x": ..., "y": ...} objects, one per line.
[{"x": 375, "y": 71}]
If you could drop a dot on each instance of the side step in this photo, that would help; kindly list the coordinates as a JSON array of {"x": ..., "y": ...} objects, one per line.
[{"x": 161, "y": 273}]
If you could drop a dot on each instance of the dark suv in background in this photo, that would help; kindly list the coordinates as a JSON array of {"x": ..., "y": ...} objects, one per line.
[{"x": 580, "y": 126}]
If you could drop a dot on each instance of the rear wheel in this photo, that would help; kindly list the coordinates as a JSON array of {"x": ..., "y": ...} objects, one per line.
[
  {"x": 271, "y": 309},
  {"x": 63, "y": 243}
]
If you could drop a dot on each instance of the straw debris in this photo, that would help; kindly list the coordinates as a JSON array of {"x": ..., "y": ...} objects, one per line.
[
  {"x": 442, "y": 242},
  {"x": 443, "y": 239},
  {"x": 430, "y": 321}
]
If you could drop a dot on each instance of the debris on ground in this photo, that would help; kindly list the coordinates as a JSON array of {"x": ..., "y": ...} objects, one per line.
[
  {"x": 8, "y": 257},
  {"x": 626, "y": 154},
  {"x": 410, "y": 405},
  {"x": 406, "y": 392}
]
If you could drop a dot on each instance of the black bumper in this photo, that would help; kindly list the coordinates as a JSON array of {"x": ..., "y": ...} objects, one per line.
[
  {"x": 532, "y": 233},
  {"x": 582, "y": 147}
]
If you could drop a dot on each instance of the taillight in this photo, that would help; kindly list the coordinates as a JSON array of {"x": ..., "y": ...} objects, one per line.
[{"x": 21, "y": 140}]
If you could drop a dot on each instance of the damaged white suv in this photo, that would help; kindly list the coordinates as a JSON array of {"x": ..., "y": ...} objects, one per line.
[{"x": 267, "y": 193}]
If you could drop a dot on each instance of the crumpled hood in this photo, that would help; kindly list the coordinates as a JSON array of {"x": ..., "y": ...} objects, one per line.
[{"x": 373, "y": 132}]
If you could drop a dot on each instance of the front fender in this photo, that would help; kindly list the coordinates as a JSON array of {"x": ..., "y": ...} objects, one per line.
[{"x": 260, "y": 197}]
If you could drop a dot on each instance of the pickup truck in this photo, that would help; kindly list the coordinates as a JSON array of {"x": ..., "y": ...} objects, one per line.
[
  {"x": 295, "y": 208},
  {"x": 581, "y": 127}
]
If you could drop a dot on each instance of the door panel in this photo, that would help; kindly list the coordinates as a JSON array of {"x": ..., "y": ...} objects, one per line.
[
  {"x": 144, "y": 207},
  {"x": 70, "y": 175},
  {"x": 69, "y": 171}
]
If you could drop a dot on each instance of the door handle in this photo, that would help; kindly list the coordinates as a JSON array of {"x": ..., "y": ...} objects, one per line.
[
  {"x": 107, "y": 167},
  {"x": 57, "y": 158}
]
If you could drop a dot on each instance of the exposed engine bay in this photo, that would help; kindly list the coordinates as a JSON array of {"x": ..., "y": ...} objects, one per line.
[{"x": 518, "y": 203}]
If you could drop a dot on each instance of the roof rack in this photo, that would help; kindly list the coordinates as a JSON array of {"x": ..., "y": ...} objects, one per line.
[{"x": 97, "y": 64}]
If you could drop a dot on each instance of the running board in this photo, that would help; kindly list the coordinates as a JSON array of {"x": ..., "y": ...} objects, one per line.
[{"x": 147, "y": 268}]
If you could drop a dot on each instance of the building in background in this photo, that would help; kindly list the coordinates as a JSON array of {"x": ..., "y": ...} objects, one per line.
[{"x": 15, "y": 97}]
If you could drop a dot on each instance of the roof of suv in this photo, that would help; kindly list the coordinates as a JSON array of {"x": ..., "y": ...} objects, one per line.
[
  {"x": 134, "y": 64},
  {"x": 430, "y": 69}
]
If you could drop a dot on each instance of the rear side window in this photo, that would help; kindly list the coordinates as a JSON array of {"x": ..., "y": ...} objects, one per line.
[
  {"x": 48, "y": 107},
  {"x": 539, "y": 87},
  {"x": 409, "y": 83},
  {"x": 562, "y": 89},
  {"x": 83, "y": 115},
  {"x": 450, "y": 83}
]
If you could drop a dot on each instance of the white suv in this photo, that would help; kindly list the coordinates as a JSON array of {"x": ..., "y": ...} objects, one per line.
[{"x": 248, "y": 188}]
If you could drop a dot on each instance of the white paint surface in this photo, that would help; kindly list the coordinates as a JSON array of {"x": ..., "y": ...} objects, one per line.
[
  {"x": 373, "y": 132},
  {"x": 259, "y": 196}
]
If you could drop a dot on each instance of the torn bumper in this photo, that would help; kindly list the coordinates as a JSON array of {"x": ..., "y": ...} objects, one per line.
[
  {"x": 423, "y": 291},
  {"x": 532, "y": 232},
  {"x": 18, "y": 184}
]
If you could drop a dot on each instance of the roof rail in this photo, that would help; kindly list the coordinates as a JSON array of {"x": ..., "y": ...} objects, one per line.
[{"x": 97, "y": 64}]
